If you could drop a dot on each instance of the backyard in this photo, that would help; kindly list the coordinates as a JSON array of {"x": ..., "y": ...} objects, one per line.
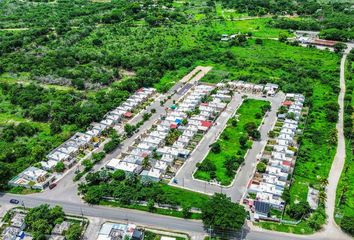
[{"x": 232, "y": 149}]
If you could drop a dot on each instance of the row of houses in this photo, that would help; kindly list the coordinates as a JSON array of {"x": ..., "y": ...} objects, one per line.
[
  {"x": 79, "y": 143},
  {"x": 267, "y": 187},
  {"x": 152, "y": 144},
  {"x": 16, "y": 229},
  {"x": 268, "y": 89}
]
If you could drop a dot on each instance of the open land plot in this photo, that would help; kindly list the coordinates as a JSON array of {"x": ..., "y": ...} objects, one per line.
[{"x": 250, "y": 111}]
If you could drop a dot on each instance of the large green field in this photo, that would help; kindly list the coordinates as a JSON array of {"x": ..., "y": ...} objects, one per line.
[{"x": 230, "y": 141}]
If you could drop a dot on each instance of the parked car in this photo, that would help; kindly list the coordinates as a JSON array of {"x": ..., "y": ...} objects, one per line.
[
  {"x": 14, "y": 201},
  {"x": 53, "y": 185}
]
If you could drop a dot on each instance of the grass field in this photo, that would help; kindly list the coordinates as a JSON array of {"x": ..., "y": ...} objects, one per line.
[
  {"x": 181, "y": 196},
  {"x": 231, "y": 146},
  {"x": 301, "y": 228}
]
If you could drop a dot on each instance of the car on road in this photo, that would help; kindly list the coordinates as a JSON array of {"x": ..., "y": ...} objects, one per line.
[
  {"x": 53, "y": 185},
  {"x": 14, "y": 201}
]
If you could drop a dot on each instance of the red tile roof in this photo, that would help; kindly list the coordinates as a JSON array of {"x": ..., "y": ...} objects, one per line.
[
  {"x": 287, "y": 163},
  {"x": 128, "y": 114},
  {"x": 207, "y": 124},
  {"x": 173, "y": 126},
  {"x": 327, "y": 43},
  {"x": 287, "y": 103}
]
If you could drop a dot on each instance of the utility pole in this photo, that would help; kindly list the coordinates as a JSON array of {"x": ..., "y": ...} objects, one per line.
[
  {"x": 210, "y": 232},
  {"x": 23, "y": 204}
]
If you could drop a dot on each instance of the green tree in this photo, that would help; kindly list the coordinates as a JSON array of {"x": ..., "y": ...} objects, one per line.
[
  {"x": 261, "y": 167},
  {"x": 74, "y": 232},
  {"x": 146, "y": 163},
  {"x": 186, "y": 211},
  {"x": 243, "y": 140},
  {"x": 339, "y": 47},
  {"x": 283, "y": 37},
  {"x": 151, "y": 205},
  {"x": 222, "y": 214},
  {"x": 286, "y": 195},
  {"x": 216, "y": 147},
  {"x": 118, "y": 175},
  {"x": 298, "y": 210},
  {"x": 129, "y": 129},
  {"x": 5, "y": 174},
  {"x": 55, "y": 127},
  {"x": 60, "y": 167},
  {"x": 347, "y": 224}
]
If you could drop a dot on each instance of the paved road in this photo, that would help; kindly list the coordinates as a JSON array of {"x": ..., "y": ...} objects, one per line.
[
  {"x": 239, "y": 186},
  {"x": 192, "y": 227},
  {"x": 331, "y": 228}
]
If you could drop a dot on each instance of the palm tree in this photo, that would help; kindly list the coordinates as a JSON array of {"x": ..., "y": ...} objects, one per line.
[
  {"x": 322, "y": 196},
  {"x": 146, "y": 163},
  {"x": 323, "y": 182}
]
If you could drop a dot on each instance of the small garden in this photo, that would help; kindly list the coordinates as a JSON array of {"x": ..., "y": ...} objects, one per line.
[{"x": 227, "y": 153}]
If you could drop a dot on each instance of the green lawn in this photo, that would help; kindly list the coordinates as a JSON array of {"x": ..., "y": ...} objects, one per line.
[
  {"x": 184, "y": 196},
  {"x": 181, "y": 196},
  {"x": 161, "y": 211},
  {"x": 301, "y": 228},
  {"x": 231, "y": 146}
]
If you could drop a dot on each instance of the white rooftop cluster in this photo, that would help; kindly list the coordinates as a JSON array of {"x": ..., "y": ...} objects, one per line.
[
  {"x": 154, "y": 140},
  {"x": 68, "y": 151},
  {"x": 269, "y": 89},
  {"x": 269, "y": 186}
]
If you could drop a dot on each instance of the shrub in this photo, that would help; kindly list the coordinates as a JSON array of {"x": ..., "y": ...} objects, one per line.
[
  {"x": 297, "y": 211},
  {"x": 60, "y": 167},
  {"x": 261, "y": 167},
  {"x": 215, "y": 147},
  {"x": 347, "y": 224}
]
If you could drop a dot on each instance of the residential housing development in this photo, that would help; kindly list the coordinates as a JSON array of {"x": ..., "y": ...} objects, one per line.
[
  {"x": 155, "y": 146},
  {"x": 266, "y": 188},
  {"x": 80, "y": 143}
]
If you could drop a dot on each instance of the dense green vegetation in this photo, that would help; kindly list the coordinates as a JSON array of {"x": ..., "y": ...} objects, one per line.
[
  {"x": 228, "y": 152},
  {"x": 333, "y": 19},
  {"x": 41, "y": 220},
  {"x": 222, "y": 215},
  {"x": 344, "y": 214},
  {"x": 131, "y": 191},
  {"x": 35, "y": 119}
]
